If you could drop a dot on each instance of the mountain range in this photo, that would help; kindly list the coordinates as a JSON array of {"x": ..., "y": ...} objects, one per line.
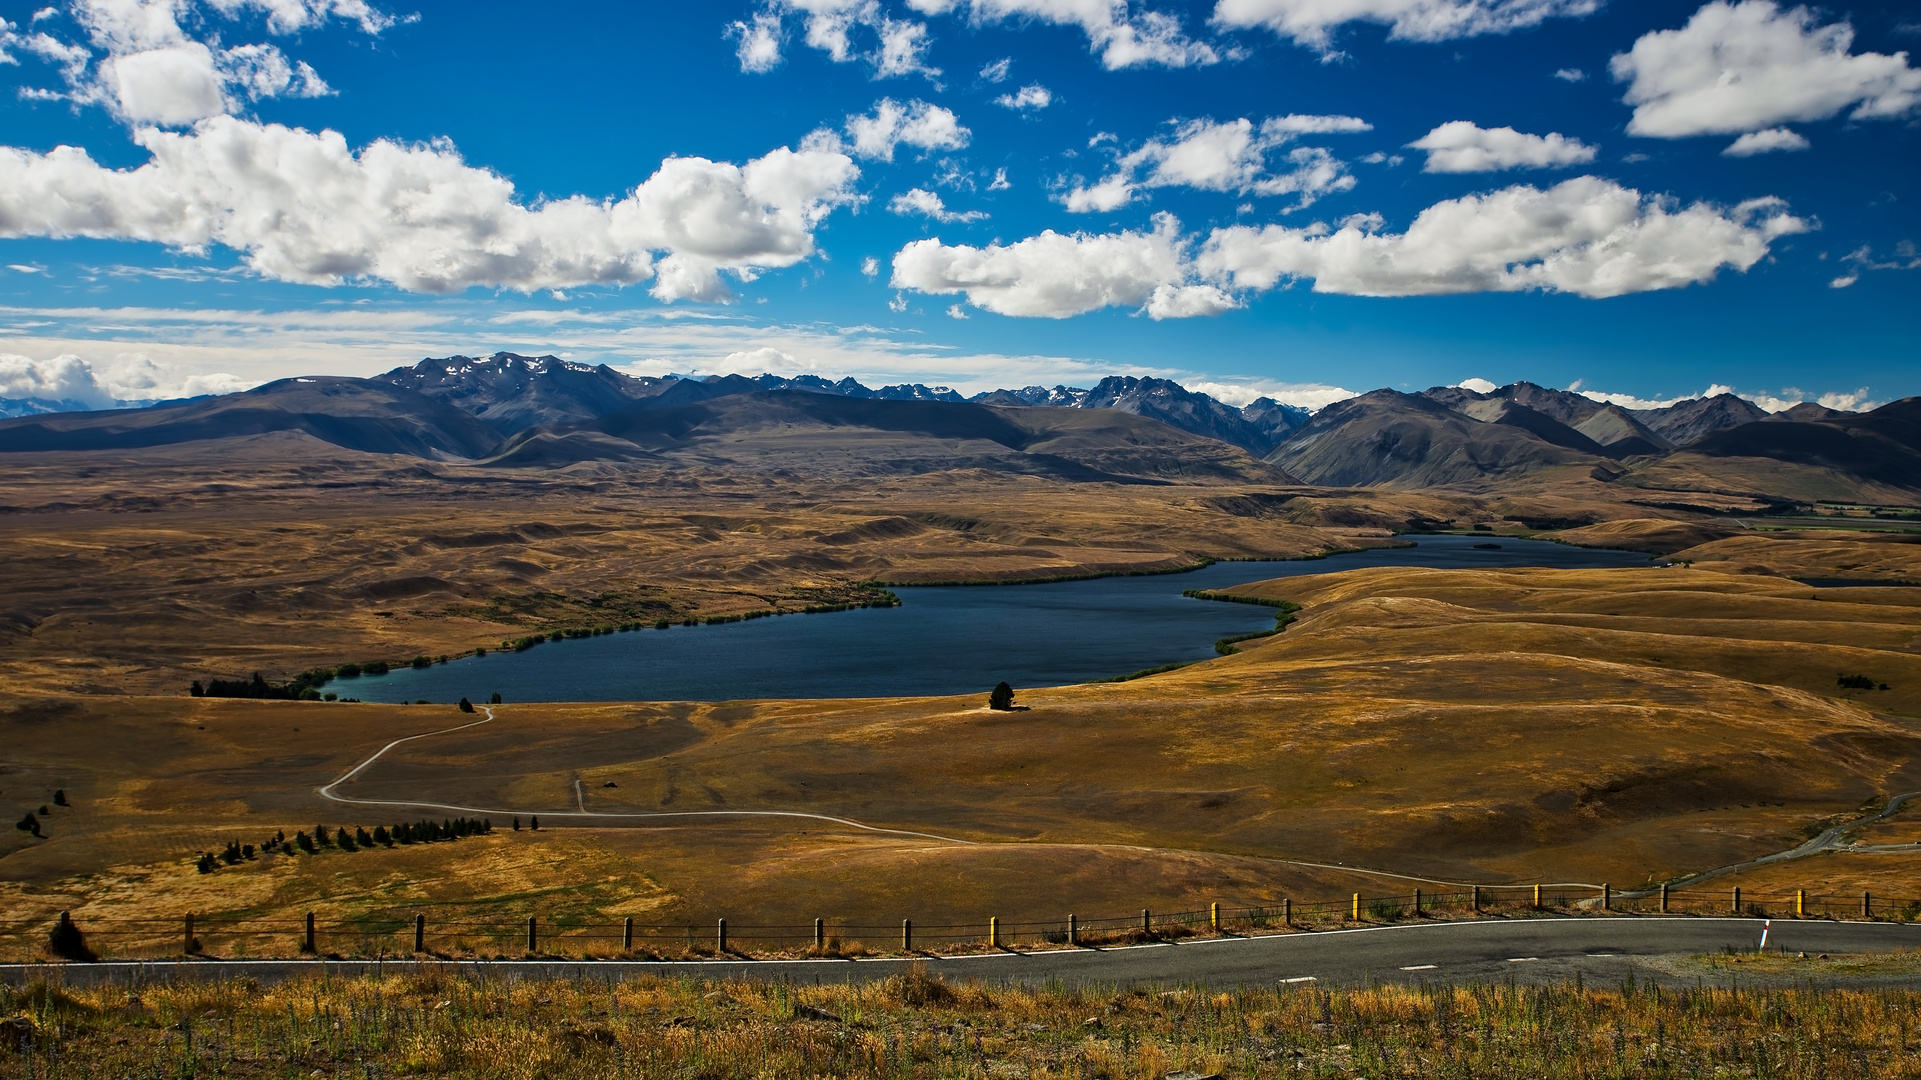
[{"x": 544, "y": 412}]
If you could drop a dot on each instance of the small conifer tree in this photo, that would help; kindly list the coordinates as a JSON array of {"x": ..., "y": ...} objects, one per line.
[
  {"x": 344, "y": 840},
  {"x": 466, "y": 706},
  {"x": 60, "y": 798},
  {"x": 516, "y": 823},
  {"x": 495, "y": 700},
  {"x": 535, "y": 824},
  {"x": 1002, "y": 698},
  {"x": 68, "y": 943}
]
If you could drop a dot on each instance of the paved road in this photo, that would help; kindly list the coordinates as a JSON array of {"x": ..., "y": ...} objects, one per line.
[{"x": 1601, "y": 950}]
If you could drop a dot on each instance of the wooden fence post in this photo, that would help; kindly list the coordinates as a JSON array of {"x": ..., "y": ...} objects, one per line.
[
  {"x": 994, "y": 931},
  {"x": 820, "y": 934},
  {"x": 1607, "y": 897},
  {"x": 627, "y": 935},
  {"x": 420, "y": 932},
  {"x": 1664, "y": 898},
  {"x": 533, "y": 935},
  {"x": 1737, "y": 900},
  {"x": 1287, "y": 911},
  {"x": 907, "y": 935},
  {"x": 1073, "y": 929},
  {"x": 1147, "y": 922},
  {"x": 1867, "y": 905},
  {"x": 187, "y": 942},
  {"x": 1417, "y": 903},
  {"x": 1214, "y": 916},
  {"x": 720, "y": 938},
  {"x": 309, "y": 946},
  {"x": 1477, "y": 899}
]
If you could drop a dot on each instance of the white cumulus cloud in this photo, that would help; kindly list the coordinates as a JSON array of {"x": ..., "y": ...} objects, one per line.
[
  {"x": 141, "y": 63},
  {"x": 1050, "y": 275},
  {"x": 928, "y": 204},
  {"x": 1028, "y": 97},
  {"x": 757, "y": 42},
  {"x": 832, "y": 26},
  {"x": 1586, "y": 236},
  {"x": 1765, "y": 141},
  {"x": 1122, "y": 35},
  {"x": 128, "y": 377},
  {"x": 1312, "y": 22},
  {"x": 1231, "y": 156},
  {"x": 1743, "y": 67},
  {"x": 930, "y": 127},
  {"x": 304, "y": 207},
  {"x": 1459, "y": 146}
]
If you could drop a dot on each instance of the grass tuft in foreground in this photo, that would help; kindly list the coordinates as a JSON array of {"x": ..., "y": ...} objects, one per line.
[{"x": 914, "y": 1025}]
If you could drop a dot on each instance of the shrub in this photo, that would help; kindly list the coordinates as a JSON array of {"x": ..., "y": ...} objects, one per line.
[
  {"x": 466, "y": 706},
  {"x": 1002, "y": 697},
  {"x": 1855, "y": 682},
  {"x": 60, "y": 797},
  {"x": 68, "y": 943}
]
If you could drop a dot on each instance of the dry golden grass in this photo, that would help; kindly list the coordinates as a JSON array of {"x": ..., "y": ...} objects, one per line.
[
  {"x": 1623, "y": 726},
  {"x": 141, "y": 572},
  {"x": 912, "y": 1026}
]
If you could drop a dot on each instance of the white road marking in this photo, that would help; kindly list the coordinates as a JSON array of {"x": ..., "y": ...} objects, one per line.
[
  {"x": 1521, "y": 959},
  {"x": 1419, "y": 967}
]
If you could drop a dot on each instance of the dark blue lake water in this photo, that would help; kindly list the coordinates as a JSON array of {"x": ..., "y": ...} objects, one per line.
[{"x": 947, "y": 640}]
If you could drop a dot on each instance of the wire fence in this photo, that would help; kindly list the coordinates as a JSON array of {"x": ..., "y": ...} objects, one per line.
[{"x": 453, "y": 932}]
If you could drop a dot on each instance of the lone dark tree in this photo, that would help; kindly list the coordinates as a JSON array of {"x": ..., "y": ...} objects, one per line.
[
  {"x": 67, "y": 942},
  {"x": 1002, "y": 698},
  {"x": 466, "y": 706},
  {"x": 495, "y": 700},
  {"x": 60, "y": 798}
]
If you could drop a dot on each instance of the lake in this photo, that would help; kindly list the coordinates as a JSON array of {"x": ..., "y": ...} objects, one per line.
[{"x": 941, "y": 640}]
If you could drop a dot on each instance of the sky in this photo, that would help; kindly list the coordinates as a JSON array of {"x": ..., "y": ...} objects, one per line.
[{"x": 1299, "y": 198}]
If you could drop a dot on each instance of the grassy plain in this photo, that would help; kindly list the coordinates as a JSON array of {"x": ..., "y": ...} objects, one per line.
[
  {"x": 915, "y": 1026},
  {"x": 141, "y": 571},
  {"x": 1620, "y": 726}
]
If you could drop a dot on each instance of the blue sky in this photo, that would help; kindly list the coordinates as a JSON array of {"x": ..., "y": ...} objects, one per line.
[{"x": 1298, "y": 197}]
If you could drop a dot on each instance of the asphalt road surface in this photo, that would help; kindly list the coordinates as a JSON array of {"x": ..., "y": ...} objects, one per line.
[{"x": 1601, "y": 950}]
